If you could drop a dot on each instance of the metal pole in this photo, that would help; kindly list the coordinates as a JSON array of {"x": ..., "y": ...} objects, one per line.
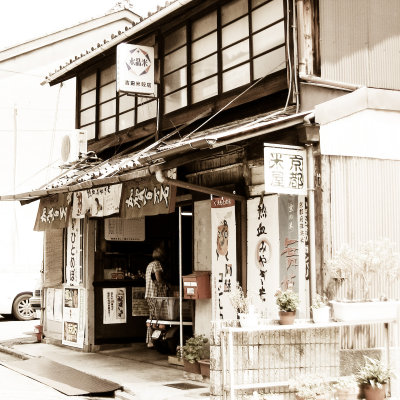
[
  {"x": 180, "y": 282},
  {"x": 311, "y": 220}
]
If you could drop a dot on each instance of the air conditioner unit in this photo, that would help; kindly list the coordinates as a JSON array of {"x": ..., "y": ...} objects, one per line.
[{"x": 74, "y": 145}]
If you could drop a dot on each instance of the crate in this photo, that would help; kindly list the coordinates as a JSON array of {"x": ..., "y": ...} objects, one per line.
[{"x": 167, "y": 308}]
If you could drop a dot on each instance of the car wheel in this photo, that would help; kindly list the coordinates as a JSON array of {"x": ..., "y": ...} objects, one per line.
[{"x": 22, "y": 309}]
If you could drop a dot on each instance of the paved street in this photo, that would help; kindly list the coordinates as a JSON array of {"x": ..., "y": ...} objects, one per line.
[
  {"x": 15, "y": 386},
  {"x": 11, "y": 329}
]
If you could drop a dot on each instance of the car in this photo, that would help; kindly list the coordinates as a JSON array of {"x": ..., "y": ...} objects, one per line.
[
  {"x": 15, "y": 292},
  {"x": 36, "y": 301}
]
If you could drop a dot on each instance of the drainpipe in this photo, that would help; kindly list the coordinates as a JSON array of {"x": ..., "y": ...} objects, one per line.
[
  {"x": 311, "y": 220},
  {"x": 159, "y": 174},
  {"x": 300, "y": 36}
]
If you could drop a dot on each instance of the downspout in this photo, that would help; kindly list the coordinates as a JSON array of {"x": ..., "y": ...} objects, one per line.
[
  {"x": 159, "y": 174},
  {"x": 311, "y": 213},
  {"x": 300, "y": 36}
]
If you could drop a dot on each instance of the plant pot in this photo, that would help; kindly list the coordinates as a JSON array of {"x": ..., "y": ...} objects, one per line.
[
  {"x": 248, "y": 321},
  {"x": 364, "y": 310},
  {"x": 374, "y": 393},
  {"x": 321, "y": 314},
  {"x": 287, "y": 317},
  {"x": 205, "y": 368},
  {"x": 193, "y": 368}
]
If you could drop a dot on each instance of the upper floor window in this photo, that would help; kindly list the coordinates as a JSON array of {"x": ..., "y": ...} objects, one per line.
[
  {"x": 232, "y": 46},
  {"x": 103, "y": 110}
]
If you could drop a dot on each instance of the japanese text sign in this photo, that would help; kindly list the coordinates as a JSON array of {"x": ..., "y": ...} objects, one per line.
[
  {"x": 147, "y": 197},
  {"x": 135, "y": 69},
  {"x": 285, "y": 169},
  {"x": 97, "y": 202},
  {"x": 223, "y": 250},
  {"x": 53, "y": 212}
]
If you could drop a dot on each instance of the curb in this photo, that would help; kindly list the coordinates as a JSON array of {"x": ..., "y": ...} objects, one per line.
[{"x": 15, "y": 353}]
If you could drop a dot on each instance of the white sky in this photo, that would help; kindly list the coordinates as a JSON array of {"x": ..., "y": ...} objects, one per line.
[{"x": 21, "y": 20}]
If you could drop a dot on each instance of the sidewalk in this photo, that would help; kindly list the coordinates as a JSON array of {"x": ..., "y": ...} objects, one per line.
[{"x": 142, "y": 373}]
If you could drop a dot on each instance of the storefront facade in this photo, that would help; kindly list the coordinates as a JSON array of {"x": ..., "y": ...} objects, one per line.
[{"x": 228, "y": 136}]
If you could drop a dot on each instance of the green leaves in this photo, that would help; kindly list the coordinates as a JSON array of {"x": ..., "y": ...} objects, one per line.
[
  {"x": 193, "y": 349},
  {"x": 374, "y": 373}
]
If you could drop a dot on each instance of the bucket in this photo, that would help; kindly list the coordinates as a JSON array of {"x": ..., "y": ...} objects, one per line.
[{"x": 38, "y": 332}]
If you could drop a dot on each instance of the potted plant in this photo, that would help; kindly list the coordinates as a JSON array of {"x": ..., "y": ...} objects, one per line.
[
  {"x": 311, "y": 387},
  {"x": 288, "y": 302},
  {"x": 346, "y": 388},
  {"x": 373, "y": 377},
  {"x": 357, "y": 271},
  {"x": 320, "y": 309},
  {"x": 243, "y": 305},
  {"x": 192, "y": 352}
]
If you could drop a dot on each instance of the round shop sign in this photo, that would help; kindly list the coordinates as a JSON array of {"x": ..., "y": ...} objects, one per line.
[{"x": 138, "y": 61}]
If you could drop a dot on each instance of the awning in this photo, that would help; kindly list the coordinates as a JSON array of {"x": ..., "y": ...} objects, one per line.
[{"x": 119, "y": 169}]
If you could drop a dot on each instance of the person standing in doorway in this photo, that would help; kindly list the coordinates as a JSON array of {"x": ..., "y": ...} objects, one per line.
[{"x": 155, "y": 285}]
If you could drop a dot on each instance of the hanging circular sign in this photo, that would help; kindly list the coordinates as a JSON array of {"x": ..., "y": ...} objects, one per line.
[{"x": 138, "y": 61}]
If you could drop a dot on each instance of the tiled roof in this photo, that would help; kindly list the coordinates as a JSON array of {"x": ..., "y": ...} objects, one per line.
[
  {"x": 92, "y": 172},
  {"x": 121, "y": 164},
  {"x": 115, "y": 39}
]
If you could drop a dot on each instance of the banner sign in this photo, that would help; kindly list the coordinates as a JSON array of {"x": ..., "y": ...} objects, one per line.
[
  {"x": 97, "y": 202},
  {"x": 125, "y": 230},
  {"x": 73, "y": 266},
  {"x": 53, "y": 212},
  {"x": 135, "y": 69},
  {"x": 285, "y": 169},
  {"x": 223, "y": 250},
  {"x": 114, "y": 305},
  {"x": 263, "y": 278},
  {"x": 293, "y": 239},
  {"x": 147, "y": 197},
  {"x": 73, "y": 317}
]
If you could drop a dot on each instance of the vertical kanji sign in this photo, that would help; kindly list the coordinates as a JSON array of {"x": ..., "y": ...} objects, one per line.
[
  {"x": 223, "y": 247},
  {"x": 263, "y": 253}
]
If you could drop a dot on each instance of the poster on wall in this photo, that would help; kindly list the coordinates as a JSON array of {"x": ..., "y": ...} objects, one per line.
[
  {"x": 114, "y": 306},
  {"x": 223, "y": 250},
  {"x": 263, "y": 275},
  {"x": 285, "y": 169},
  {"x": 53, "y": 212},
  {"x": 50, "y": 303},
  {"x": 294, "y": 245},
  {"x": 125, "y": 230},
  {"x": 58, "y": 304},
  {"x": 73, "y": 327},
  {"x": 73, "y": 264},
  {"x": 97, "y": 202}
]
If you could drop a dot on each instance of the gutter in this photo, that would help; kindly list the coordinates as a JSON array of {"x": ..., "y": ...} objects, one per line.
[
  {"x": 330, "y": 83},
  {"x": 120, "y": 38}
]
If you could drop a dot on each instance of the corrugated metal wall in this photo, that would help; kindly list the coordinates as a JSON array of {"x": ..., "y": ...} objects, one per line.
[
  {"x": 365, "y": 206},
  {"x": 360, "y": 42},
  {"x": 365, "y": 201}
]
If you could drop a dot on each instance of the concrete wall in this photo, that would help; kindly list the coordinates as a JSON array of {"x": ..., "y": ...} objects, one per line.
[{"x": 202, "y": 262}]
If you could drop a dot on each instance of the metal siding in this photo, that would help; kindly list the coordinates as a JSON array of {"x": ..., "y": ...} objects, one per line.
[
  {"x": 364, "y": 206},
  {"x": 384, "y": 44},
  {"x": 365, "y": 199},
  {"x": 360, "y": 42}
]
